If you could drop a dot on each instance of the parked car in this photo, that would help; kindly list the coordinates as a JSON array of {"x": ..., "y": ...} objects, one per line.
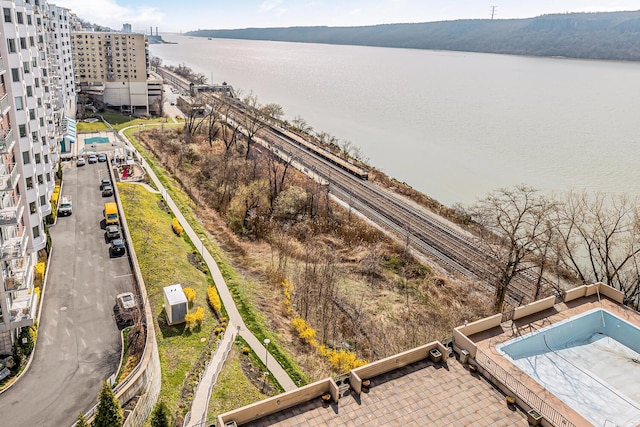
[
  {"x": 93, "y": 159},
  {"x": 107, "y": 191},
  {"x": 104, "y": 182},
  {"x": 102, "y": 157},
  {"x": 80, "y": 162},
  {"x": 112, "y": 232},
  {"x": 117, "y": 248}
]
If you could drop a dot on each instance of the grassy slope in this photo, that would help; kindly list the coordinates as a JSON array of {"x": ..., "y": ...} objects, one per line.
[{"x": 163, "y": 260}]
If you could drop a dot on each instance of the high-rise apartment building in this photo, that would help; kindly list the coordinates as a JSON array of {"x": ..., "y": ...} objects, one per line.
[
  {"x": 112, "y": 68},
  {"x": 31, "y": 105}
]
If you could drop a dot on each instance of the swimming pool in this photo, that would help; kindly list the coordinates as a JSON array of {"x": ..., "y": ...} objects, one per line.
[
  {"x": 96, "y": 140},
  {"x": 591, "y": 362}
]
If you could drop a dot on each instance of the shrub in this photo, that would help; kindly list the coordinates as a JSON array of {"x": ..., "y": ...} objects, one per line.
[
  {"x": 27, "y": 339},
  {"x": 214, "y": 299},
  {"x": 109, "y": 412},
  {"x": 195, "y": 319},
  {"x": 287, "y": 289},
  {"x": 160, "y": 415},
  {"x": 39, "y": 270},
  {"x": 82, "y": 421},
  {"x": 177, "y": 228},
  {"x": 190, "y": 294},
  {"x": 246, "y": 350},
  {"x": 305, "y": 332}
]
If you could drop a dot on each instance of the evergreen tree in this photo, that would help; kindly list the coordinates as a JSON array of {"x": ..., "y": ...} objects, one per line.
[
  {"x": 160, "y": 416},
  {"x": 82, "y": 421},
  {"x": 109, "y": 413}
]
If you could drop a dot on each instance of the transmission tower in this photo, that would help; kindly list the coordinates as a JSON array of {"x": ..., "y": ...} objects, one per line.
[{"x": 493, "y": 11}]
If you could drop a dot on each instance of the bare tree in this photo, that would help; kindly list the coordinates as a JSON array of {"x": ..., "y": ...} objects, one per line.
[
  {"x": 277, "y": 169},
  {"x": 301, "y": 124},
  {"x": 193, "y": 117},
  {"x": 512, "y": 225},
  {"x": 253, "y": 118},
  {"x": 600, "y": 238}
]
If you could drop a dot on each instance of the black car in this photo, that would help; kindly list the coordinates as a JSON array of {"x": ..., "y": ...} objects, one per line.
[
  {"x": 117, "y": 248},
  {"x": 112, "y": 232},
  {"x": 107, "y": 191},
  {"x": 104, "y": 182}
]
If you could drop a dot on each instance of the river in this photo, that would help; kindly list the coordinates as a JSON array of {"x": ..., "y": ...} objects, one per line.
[{"x": 453, "y": 125}]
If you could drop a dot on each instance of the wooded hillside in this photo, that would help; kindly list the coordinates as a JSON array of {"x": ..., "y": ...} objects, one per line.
[{"x": 611, "y": 35}]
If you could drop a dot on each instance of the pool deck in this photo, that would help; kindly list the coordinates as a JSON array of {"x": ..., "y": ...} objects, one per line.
[{"x": 487, "y": 341}]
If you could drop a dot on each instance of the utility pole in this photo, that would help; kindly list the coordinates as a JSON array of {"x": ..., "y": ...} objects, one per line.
[{"x": 493, "y": 11}]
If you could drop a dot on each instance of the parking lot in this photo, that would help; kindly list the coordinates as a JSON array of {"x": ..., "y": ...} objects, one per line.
[{"x": 79, "y": 342}]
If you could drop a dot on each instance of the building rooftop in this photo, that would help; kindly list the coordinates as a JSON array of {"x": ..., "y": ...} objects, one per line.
[
  {"x": 419, "y": 394},
  {"x": 414, "y": 389}
]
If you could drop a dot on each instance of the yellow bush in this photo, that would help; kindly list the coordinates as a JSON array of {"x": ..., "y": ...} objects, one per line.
[
  {"x": 287, "y": 289},
  {"x": 190, "y": 294},
  {"x": 343, "y": 360},
  {"x": 195, "y": 319},
  {"x": 214, "y": 299},
  {"x": 306, "y": 333},
  {"x": 39, "y": 273},
  {"x": 177, "y": 228}
]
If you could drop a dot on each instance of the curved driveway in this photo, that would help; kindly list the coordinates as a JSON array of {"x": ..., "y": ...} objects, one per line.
[{"x": 79, "y": 343}]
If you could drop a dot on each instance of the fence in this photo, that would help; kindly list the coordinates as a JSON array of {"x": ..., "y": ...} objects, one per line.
[
  {"x": 222, "y": 351},
  {"x": 522, "y": 391}
]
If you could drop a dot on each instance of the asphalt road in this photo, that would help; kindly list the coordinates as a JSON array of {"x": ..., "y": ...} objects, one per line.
[{"x": 79, "y": 342}]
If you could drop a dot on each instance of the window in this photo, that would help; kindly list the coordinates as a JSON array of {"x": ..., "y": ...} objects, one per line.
[
  {"x": 23, "y": 132},
  {"x": 7, "y": 14},
  {"x": 19, "y": 104},
  {"x": 25, "y": 67},
  {"x": 11, "y": 45},
  {"x": 48, "y": 177},
  {"x": 37, "y": 158},
  {"x": 29, "y": 91},
  {"x": 32, "y": 41},
  {"x": 34, "y": 62},
  {"x": 39, "y": 102},
  {"x": 36, "y": 231},
  {"x": 20, "y": 17},
  {"x": 23, "y": 42},
  {"x": 32, "y": 114},
  {"x": 29, "y": 182},
  {"x": 43, "y": 200},
  {"x": 15, "y": 74},
  {"x": 46, "y": 160},
  {"x": 40, "y": 179},
  {"x": 34, "y": 138},
  {"x": 41, "y": 122},
  {"x": 32, "y": 207},
  {"x": 29, "y": 21},
  {"x": 36, "y": 82}
]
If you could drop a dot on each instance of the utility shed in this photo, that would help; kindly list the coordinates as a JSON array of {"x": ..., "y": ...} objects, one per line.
[{"x": 175, "y": 304}]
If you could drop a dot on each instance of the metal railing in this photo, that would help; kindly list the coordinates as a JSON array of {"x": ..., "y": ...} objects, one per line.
[{"x": 523, "y": 392}]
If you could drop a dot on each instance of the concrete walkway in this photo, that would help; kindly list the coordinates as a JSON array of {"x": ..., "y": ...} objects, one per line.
[{"x": 234, "y": 315}]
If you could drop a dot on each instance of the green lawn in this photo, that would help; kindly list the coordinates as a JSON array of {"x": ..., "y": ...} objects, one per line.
[
  {"x": 163, "y": 260},
  {"x": 90, "y": 127}
]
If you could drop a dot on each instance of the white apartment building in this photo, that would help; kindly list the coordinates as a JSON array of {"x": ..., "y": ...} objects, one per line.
[
  {"x": 29, "y": 133},
  {"x": 112, "y": 68}
]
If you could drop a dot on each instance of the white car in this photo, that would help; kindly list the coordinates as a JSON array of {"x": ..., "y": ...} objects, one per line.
[{"x": 80, "y": 162}]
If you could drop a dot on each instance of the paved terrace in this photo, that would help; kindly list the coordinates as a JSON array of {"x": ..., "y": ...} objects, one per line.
[{"x": 420, "y": 394}]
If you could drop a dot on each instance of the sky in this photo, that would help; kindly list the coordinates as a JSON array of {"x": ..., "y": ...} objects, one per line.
[{"x": 187, "y": 15}]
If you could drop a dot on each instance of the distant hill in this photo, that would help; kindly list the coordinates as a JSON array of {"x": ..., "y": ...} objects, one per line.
[{"x": 610, "y": 35}]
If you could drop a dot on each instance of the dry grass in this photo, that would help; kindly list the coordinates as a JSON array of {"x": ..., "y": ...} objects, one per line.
[{"x": 383, "y": 301}]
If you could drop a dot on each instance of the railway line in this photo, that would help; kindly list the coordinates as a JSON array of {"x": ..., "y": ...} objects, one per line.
[
  {"x": 450, "y": 247},
  {"x": 455, "y": 250}
]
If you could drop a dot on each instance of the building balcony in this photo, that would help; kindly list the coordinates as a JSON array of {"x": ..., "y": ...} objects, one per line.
[
  {"x": 2, "y": 67},
  {"x": 6, "y": 141},
  {"x": 17, "y": 276},
  {"x": 23, "y": 309},
  {"x": 15, "y": 246},
  {"x": 8, "y": 176},
  {"x": 10, "y": 209},
  {"x": 4, "y": 104}
]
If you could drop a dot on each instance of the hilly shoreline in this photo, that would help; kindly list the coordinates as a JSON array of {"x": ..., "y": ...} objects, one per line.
[{"x": 602, "y": 35}]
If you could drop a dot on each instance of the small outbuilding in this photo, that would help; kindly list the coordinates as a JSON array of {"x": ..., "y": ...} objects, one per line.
[{"x": 175, "y": 304}]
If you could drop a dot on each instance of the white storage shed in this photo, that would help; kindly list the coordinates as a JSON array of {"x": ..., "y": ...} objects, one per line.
[{"x": 175, "y": 304}]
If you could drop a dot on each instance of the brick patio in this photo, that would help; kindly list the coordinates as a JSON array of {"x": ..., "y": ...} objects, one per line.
[{"x": 421, "y": 394}]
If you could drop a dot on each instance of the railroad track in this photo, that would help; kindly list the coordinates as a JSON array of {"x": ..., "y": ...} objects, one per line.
[{"x": 451, "y": 248}]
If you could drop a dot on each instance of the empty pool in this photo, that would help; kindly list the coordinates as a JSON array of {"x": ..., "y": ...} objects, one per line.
[{"x": 591, "y": 362}]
